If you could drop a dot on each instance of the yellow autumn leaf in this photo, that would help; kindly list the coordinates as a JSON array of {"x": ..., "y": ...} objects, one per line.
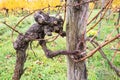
[{"x": 28, "y": 4}]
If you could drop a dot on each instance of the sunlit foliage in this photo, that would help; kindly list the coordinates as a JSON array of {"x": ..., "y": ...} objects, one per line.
[
  {"x": 91, "y": 5},
  {"x": 27, "y": 4},
  {"x": 116, "y": 4}
]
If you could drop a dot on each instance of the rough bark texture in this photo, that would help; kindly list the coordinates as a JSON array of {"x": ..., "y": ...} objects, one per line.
[
  {"x": 44, "y": 25},
  {"x": 76, "y": 27},
  {"x": 20, "y": 47}
]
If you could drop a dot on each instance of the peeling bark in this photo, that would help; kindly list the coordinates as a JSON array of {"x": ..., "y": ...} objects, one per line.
[{"x": 76, "y": 28}]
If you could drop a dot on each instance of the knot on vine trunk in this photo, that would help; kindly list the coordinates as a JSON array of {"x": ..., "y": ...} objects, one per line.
[
  {"x": 20, "y": 43},
  {"x": 48, "y": 54}
]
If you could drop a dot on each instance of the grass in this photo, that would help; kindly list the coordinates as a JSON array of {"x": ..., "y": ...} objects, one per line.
[{"x": 41, "y": 68}]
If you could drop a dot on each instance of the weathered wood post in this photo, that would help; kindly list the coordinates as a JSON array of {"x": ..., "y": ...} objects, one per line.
[{"x": 76, "y": 22}]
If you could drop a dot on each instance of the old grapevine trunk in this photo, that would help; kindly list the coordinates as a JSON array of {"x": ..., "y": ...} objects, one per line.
[{"x": 76, "y": 22}]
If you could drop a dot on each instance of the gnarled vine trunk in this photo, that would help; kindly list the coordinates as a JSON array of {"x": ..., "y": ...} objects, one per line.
[{"x": 76, "y": 22}]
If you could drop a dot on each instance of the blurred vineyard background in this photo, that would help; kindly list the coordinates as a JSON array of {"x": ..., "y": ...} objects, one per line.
[
  {"x": 37, "y": 4},
  {"x": 27, "y": 4},
  {"x": 19, "y": 6}
]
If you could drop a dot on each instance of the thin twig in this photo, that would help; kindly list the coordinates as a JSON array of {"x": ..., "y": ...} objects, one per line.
[
  {"x": 115, "y": 49},
  {"x": 101, "y": 16},
  {"x": 11, "y": 28},
  {"x": 55, "y": 37},
  {"x": 109, "y": 35},
  {"x": 91, "y": 53},
  {"x": 99, "y": 13},
  {"x": 108, "y": 61},
  {"x": 32, "y": 49}
]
